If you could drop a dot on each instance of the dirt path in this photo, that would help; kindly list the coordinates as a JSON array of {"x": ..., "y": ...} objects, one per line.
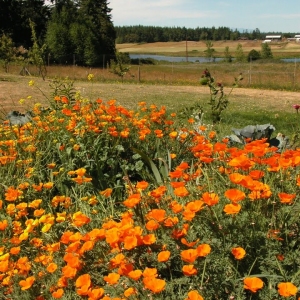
[{"x": 12, "y": 89}]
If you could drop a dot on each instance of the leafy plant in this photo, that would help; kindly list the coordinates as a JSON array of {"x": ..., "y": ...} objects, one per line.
[{"x": 218, "y": 99}]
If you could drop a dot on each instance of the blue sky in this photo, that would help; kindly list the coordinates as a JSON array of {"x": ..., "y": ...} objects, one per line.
[{"x": 266, "y": 15}]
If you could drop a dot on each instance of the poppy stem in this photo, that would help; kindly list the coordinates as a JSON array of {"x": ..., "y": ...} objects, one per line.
[{"x": 203, "y": 272}]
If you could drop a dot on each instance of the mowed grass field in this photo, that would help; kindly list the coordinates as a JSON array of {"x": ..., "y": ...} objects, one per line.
[{"x": 279, "y": 49}]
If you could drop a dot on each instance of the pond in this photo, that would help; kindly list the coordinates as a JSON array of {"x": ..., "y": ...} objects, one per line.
[
  {"x": 176, "y": 59},
  {"x": 194, "y": 59}
]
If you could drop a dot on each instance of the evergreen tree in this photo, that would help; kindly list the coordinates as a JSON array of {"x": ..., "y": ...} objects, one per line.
[
  {"x": 239, "y": 53},
  {"x": 14, "y": 19},
  {"x": 100, "y": 34},
  {"x": 58, "y": 37},
  {"x": 227, "y": 55},
  {"x": 266, "y": 51},
  {"x": 83, "y": 31}
]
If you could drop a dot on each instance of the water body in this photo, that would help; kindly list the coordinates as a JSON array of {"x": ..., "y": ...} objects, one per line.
[
  {"x": 194, "y": 59},
  {"x": 291, "y": 60},
  {"x": 175, "y": 58}
]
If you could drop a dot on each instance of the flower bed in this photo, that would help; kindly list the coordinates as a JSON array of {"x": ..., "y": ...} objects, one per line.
[{"x": 101, "y": 202}]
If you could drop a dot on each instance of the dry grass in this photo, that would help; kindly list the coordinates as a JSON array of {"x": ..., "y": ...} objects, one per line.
[
  {"x": 16, "y": 87},
  {"x": 197, "y": 48}
]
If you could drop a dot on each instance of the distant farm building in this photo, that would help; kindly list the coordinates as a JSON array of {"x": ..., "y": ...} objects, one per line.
[
  {"x": 273, "y": 37},
  {"x": 296, "y": 38}
]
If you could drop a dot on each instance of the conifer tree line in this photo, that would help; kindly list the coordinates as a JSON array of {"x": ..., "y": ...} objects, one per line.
[
  {"x": 151, "y": 34},
  {"x": 74, "y": 31},
  {"x": 82, "y": 31}
]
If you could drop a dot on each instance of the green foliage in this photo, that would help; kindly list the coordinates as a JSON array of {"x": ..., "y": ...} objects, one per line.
[
  {"x": 81, "y": 33},
  {"x": 253, "y": 55},
  {"x": 120, "y": 66},
  {"x": 218, "y": 99},
  {"x": 36, "y": 54},
  {"x": 7, "y": 51},
  {"x": 227, "y": 55},
  {"x": 239, "y": 53},
  {"x": 266, "y": 51},
  {"x": 209, "y": 52}
]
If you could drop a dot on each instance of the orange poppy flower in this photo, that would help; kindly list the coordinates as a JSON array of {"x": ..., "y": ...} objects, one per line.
[
  {"x": 189, "y": 255},
  {"x": 80, "y": 219},
  {"x": 186, "y": 243},
  {"x": 52, "y": 267},
  {"x": 253, "y": 284},
  {"x": 58, "y": 294},
  {"x": 96, "y": 294},
  {"x": 170, "y": 221},
  {"x": 48, "y": 185},
  {"x": 238, "y": 253},
  {"x": 203, "y": 250},
  {"x": 132, "y": 200},
  {"x": 156, "y": 214},
  {"x": 286, "y": 198},
  {"x": 256, "y": 174},
  {"x": 135, "y": 275},
  {"x": 154, "y": 285},
  {"x": 181, "y": 191},
  {"x": 210, "y": 198},
  {"x": 106, "y": 193},
  {"x": 142, "y": 185},
  {"x": 189, "y": 270},
  {"x": 242, "y": 162},
  {"x": 150, "y": 272},
  {"x": 69, "y": 272},
  {"x": 27, "y": 283},
  {"x": 235, "y": 195},
  {"x": 3, "y": 225},
  {"x": 149, "y": 239},
  {"x": 111, "y": 278},
  {"x": 231, "y": 209},
  {"x": 236, "y": 177},
  {"x": 163, "y": 256},
  {"x": 129, "y": 292},
  {"x": 152, "y": 225},
  {"x": 176, "y": 207},
  {"x": 12, "y": 194},
  {"x": 177, "y": 184},
  {"x": 15, "y": 250},
  {"x": 130, "y": 242},
  {"x": 194, "y": 295},
  {"x": 287, "y": 289},
  {"x": 83, "y": 280}
]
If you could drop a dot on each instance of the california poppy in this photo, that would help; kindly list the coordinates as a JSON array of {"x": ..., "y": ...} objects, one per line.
[
  {"x": 181, "y": 192},
  {"x": 58, "y": 294},
  {"x": 287, "y": 289},
  {"x": 235, "y": 195},
  {"x": 135, "y": 275},
  {"x": 163, "y": 256},
  {"x": 154, "y": 285},
  {"x": 231, "y": 209},
  {"x": 112, "y": 278},
  {"x": 194, "y": 295},
  {"x": 253, "y": 284},
  {"x": 189, "y": 255},
  {"x": 189, "y": 270},
  {"x": 210, "y": 198},
  {"x": 203, "y": 250},
  {"x": 238, "y": 253},
  {"x": 132, "y": 200},
  {"x": 27, "y": 283},
  {"x": 286, "y": 198}
]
